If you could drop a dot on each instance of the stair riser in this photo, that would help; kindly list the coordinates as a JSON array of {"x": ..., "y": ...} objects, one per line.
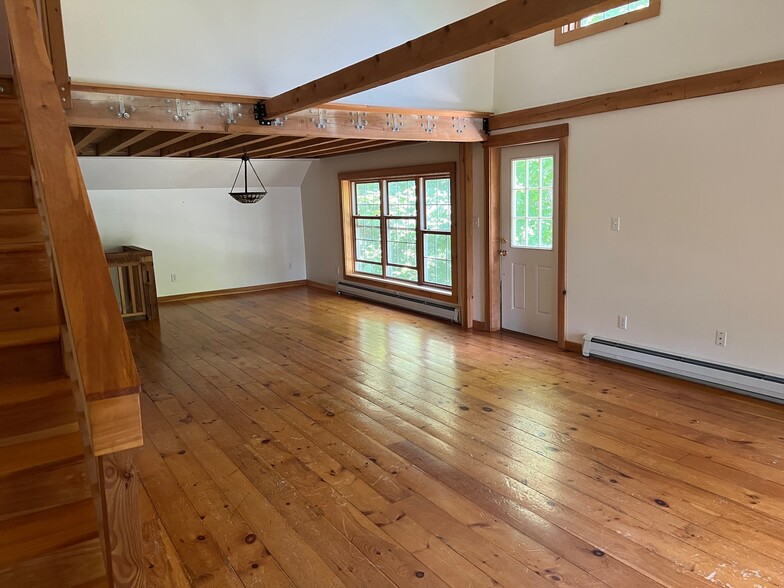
[
  {"x": 36, "y": 415},
  {"x": 22, "y": 267},
  {"x": 45, "y": 488},
  {"x": 12, "y": 135},
  {"x": 16, "y": 194},
  {"x": 70, "y": 566},
  {"x": 28, "y": 310},
  {"x": 20, "y": 228},
  {"x": 14, "y": 161},
  {"x": 30, "y": 361}
]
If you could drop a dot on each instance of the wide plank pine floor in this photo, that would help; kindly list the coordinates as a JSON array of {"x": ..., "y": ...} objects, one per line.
[{"x": 297, "y": 438}]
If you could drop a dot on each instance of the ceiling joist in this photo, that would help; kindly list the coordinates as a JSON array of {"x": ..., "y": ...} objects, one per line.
[{"x": 499, "y": 25}]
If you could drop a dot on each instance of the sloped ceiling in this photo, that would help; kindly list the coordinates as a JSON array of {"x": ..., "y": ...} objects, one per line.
[{"x": 158, "y": 173}]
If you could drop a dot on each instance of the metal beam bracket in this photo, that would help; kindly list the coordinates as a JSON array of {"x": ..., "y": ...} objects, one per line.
[{"x": 260, "y": 114}]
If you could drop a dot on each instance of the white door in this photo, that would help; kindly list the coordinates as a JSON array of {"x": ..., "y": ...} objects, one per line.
[{"x": 528, "y": 247}]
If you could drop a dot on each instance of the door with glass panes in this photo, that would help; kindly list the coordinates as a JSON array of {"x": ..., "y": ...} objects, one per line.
[{"x": 528, "y": 246}]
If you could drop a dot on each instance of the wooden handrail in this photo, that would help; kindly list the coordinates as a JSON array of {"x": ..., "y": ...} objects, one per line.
[
  {"x": 102, "y": 356},
  {"x": 96, "y": 351}
]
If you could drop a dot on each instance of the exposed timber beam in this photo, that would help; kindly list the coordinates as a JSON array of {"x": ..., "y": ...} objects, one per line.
[
  {"x": 241, "y": 142},
  {"x": 259, "y": 143},
  {"x": 82, "y": 137},
  {"x": 733, "y": 80},
  {"x": 120, "y": 140},
  {"x": 305, "y": 146},
  {"x": 369, "y": 146},
  {"x": 499, "y": 25},
  {"x": 341, "y": 147},
  {"x": 271, "y": 147},
  {"x": 234, "y": 119},
  {"x": 200, "y": 140},
  {"x": 157, "y": 142}
]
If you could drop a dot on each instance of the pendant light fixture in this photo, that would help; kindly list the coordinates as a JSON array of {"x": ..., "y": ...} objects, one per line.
[{"x": 247, "y": 196}]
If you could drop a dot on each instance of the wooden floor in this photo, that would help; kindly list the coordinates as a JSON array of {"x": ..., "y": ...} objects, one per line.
[{"x": 296, "y": 438}]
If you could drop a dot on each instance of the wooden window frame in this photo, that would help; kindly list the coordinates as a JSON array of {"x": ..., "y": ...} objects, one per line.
[
  {"x": 562, "y": 37},
  {"x": 383, "y": 177}
]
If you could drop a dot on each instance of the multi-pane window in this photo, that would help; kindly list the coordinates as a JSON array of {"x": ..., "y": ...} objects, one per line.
[
  {"x": 608, "y": 19},
  {"x": 532, "y": 202},
  {"x": 402, "y": 227}
]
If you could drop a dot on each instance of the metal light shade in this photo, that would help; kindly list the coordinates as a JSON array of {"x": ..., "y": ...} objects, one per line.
[{"x": 247, "y": 196}]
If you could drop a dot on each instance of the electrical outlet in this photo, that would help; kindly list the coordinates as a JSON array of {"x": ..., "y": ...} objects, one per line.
[
  {"x": 623, "y": 321},
  {"x": 337, "y": 270},
  {"x": 174, "y": 277},
  {"x": 721, "y": 338},
  {"x": 476, "y": 222},
  {"x": 615, "y": 223}
]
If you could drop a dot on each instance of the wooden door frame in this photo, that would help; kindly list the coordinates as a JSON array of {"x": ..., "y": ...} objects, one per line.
[{"x": 493, "y": 147}]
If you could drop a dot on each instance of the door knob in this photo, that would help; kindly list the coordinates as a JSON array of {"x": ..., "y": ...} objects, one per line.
[{"x": 503, "y": 253}]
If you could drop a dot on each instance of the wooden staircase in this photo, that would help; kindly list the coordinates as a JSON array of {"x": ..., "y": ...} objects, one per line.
[
  {"x": 49, "y": 529},
  {"x": 69, "y": 391}
]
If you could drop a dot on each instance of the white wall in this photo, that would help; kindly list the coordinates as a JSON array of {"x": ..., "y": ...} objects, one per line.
[
  {"x": 193, "y": 227},
  {"x": 321, "y": 200},
  {"x": 264, "y": 47},
  {"x": 699, "y": 190},
  {"x": 690, "y": 37}
]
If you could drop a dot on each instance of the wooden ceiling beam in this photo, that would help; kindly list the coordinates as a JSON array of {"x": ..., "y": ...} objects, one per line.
[
  {"x": 156, "y": 142},
  {"x": 364, "y": 148},
  {"x": 234, "y": 119},
  {"x": 499, "y": 25},
  {"x": 235, "y": 143},
  {"x": 199, "y": 140},
  {"x": 317, "y": 147},
  {"x": 273, "y": 146},
  {"x": 120, "y": 140},
  {"x": 82, "y": 137},
  {"x": 260, "y": 141}
]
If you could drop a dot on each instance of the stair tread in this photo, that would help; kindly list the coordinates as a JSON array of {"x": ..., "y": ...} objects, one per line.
[
  {"x": 25, "y": 288},
  {"x": 34, "y": 336},
  {"x": 21, "y": 247},
  {"x": 16, "y": 458},
  {"x": 18, "y": 211},
  {"x": 35, "y": 534},
  {"x": 22, "y": 392}
]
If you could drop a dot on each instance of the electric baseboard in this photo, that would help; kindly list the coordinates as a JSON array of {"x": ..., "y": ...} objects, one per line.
[
  {"x": 425, "y": 306},
  {"x": 767, "y": 386}
]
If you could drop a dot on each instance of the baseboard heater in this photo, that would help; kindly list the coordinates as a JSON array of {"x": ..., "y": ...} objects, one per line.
[
  {"x": 758, "y": 384},
  {"x": 430, "y": 307}
]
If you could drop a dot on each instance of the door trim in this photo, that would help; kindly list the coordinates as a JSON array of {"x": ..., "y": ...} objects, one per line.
[{"x": 493, "y": 148}]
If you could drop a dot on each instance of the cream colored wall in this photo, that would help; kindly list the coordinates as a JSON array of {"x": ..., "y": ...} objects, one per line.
[
  {"x": 180, "y": 210},
  {"x": 697, "y": 184},
  {"x": 690, "y": 37},
  {"x": 321, "y": 200},
  {"x": 264, "y": 47}
]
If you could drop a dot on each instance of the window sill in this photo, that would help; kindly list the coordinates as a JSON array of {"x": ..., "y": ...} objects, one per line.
[{"x": 431, "y": 292}]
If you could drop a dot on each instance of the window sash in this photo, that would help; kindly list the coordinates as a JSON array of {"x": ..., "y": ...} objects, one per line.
[
  {"x": 576, "y": 30},
  {"x": 388, "y": 265}
]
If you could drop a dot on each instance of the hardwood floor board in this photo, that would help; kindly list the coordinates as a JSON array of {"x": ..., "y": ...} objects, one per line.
[
  {"x": 721, "y": 433},
  {"x": 294, "y": 555},
  {"x": 664, "y": 450},
  {"x": 320, "y": 420},
  {"x": 232, "y": 533},
  {"x": 307, "y": 519},
  {"x": 549, "y": 564},
  {"x": 198, "y": 552}
]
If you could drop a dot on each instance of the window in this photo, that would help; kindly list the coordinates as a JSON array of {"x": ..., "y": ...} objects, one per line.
[
  {"x": 398, "y": 227},
  {"x": 607, "y": 20},
  {"x": 532, "y": 202}
]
